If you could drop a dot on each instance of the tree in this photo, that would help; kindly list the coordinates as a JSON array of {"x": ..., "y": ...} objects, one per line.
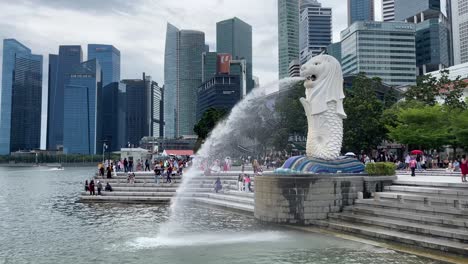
[
  {"x": 460, "y": 128},
  {"x": 363, "y": 128},
  {"x": 422, "y": 127},
  {"x": 208, "y": 122}
]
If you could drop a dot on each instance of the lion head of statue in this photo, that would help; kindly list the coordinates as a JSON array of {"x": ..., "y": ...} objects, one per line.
[{"x": 323, "y": 83}]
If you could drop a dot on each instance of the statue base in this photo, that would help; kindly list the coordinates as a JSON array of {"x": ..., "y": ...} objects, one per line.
[{"x": 303, "y": 164}]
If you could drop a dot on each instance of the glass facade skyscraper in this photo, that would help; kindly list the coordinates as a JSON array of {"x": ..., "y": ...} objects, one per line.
[
  {"x": 315, "y": 30},
  {"x": 380, "y": 49},
  {"x": 182, "y": 76},
  {"x": 157, "y": 110},
  {"x": 459, "y": 21},
  {"x": 234, "y": 36},
  {"x": 139, "y": 109},
  {"x": 114, "y": 127},
  {"x": 69, "y": 58},
  {"x": 109, "y": 59},
  {"x": 388, "y": 10},
  {"x": 288, "y": 34},
  {"x": 360, "y": 10},
  {"x": 82, "y": 126},
  {"x": 405, "y": 9},
  {"x": 209, "y": 64},
  {"x": 20, "y": 98}
]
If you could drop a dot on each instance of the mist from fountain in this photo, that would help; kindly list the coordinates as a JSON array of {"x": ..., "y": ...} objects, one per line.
[{"x": 219, "y": 142}]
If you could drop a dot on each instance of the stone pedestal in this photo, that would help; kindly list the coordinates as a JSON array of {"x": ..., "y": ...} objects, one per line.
[{"x": 300, "y": 199}]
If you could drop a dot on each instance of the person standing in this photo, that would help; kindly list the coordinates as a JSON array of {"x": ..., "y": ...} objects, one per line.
[
  {"x": 125, "y": 163},
  {"x": 218, "y": 186},
  {"x": 130, "y": 165},
  {"x": 464, "y": 168},
  {"x": 99, "y": 187},
  {"x": 412, "y": 165},
  {"x": 91, "y": 188},
  {"x": 86, "y": 186},
  {"x": 147, "y": 167},
  {"x": 109, "y": 172},
  {"x": 157, "y": 174},
  {"x": 240, "y": 183},
  {"x": 168, "y": 175},
  {"x": 407, "y": 162}
]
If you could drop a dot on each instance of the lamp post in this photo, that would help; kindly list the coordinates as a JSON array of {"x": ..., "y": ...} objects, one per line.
[{"x": 104, "y": 147}]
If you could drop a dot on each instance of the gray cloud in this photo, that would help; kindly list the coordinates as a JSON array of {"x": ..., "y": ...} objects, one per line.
[{"x": 93, "y": 6}]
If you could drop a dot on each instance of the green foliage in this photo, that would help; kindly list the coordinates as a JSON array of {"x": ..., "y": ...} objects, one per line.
[
  {"x": 291, "y": 117},
  {"x": 429, "y": 88},
  {"x": 363, "y": 128},
  {"x": 381, "y": 169},
  {"x": 460, "y": 128},
  {"x": 208, "y": 121}
]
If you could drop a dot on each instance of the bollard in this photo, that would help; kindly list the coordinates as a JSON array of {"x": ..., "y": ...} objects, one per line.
[
  {"x": 360, "y": 195},
  {"x": 376, "y": 196},
  {"x": 400, "y": 198}
]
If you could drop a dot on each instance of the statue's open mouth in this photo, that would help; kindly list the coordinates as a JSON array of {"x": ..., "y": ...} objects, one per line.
[{"x": 312, "y": 77}]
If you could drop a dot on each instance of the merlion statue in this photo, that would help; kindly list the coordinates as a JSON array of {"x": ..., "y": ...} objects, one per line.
[{"x": 323, "y": 107}]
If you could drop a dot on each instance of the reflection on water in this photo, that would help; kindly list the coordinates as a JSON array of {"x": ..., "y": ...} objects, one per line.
[{"x": 40, "y": 222}]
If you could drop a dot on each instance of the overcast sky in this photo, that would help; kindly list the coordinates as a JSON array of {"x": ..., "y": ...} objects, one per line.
[{"x": 137, "y": 28}]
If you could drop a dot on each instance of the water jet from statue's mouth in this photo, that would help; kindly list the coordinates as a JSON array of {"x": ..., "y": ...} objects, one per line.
[{"x": 312, "y": 77}]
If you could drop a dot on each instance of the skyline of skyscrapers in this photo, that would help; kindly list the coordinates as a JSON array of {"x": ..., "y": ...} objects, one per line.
[
  {"x": 315, "y": 30},
  {"x": 360, "y": 10},
  {"x": 388, "y": 10},
  {"x": 20, "y": 98},
  {"x": 459, "y": 21}
]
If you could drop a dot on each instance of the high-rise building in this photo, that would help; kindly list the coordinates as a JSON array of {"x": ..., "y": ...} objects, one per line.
[
  {"x": 114, "y": 126},
  {"x": 182, "y": 76},
  {"x": 157, "y": 110},
  {"x": 20, "y": 98},
  {"x": 432, "y": 40},
  {"x": 388, "y": 10},
  {"x": 288, "y": 34},
  {"x": 380, "y": 49},
  {"x": 109, "y": 59},
  {"x": 60, "y": 68},
  {"x": 405, "y": 9},
  {"x": 139, "y": 109},
  {"x": 209, "y": 64},
  {"x": 83, "y": 120},
  {"x": 234, "y": 36},
  {"x": 459, "y": 24},
  {"x": 315, "y": 30},
  {"x": 334, "y": 50},
  {"x": 294, "y": 68},
  {"x": 360, "y": 10}
]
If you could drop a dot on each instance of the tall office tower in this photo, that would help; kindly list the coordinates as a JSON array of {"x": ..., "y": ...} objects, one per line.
[
  {"x": 20, "y": 98},
  {"x": 157, "y": 110},
  {"x": 234, "y": 36},
  {"x": 109, "y": 59},
  {"x": 209, "y": 64},
  {"x": 432, "y": 34},
  {"x": 380, "y": 49},
  {"x": 360, "y": 10},
  {"x": 459, "y": 20},
  {"x": 388, "y": 10},
  {"x": 288, "y": 34},
  {"x": 315, "y": 30},
  {"x": 60, "y": 68},
  {"x": 405, "y": 9},
  {"x": 334, "y": 50},
  {"x": 138, "y": 103},
  {"x": 114, "y": 127},
  {"x": 83, "y": 122},
  {"x": 182, "y": 76}
]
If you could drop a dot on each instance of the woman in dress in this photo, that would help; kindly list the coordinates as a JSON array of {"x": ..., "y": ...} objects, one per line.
[{"x": 464, "y": 168}]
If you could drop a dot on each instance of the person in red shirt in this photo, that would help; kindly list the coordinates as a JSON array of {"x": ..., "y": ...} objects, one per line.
[{"x": 464, "y": 168}]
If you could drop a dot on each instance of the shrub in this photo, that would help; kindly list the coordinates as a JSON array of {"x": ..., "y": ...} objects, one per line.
[{"x": 380, "y": 169}]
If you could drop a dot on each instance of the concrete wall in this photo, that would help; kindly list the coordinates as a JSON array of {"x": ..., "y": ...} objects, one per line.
[{"x": 301, "y": 199}]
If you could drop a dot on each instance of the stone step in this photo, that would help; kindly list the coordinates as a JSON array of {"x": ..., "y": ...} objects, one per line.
[
  {"x": 226, "y": 197},
  {"x": 404, "y": 226},
  {"x": 397, "y": 237},
  {"x": 137, "y": 181},
  {"x": 456, "y": 192},
  {"x": 125, "y": 199},
  {"x": 430, "y": 219},
  {"x": 435, "y": 200},
  {"x": 416, "y": 208},
  {"x": 143, "y": 185},
  {"x": 248, "y": 208},
  {"x": 143, "y": 189},
  {"x": 142, "y": 194},
  {"x": 430, "y": 184}
]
